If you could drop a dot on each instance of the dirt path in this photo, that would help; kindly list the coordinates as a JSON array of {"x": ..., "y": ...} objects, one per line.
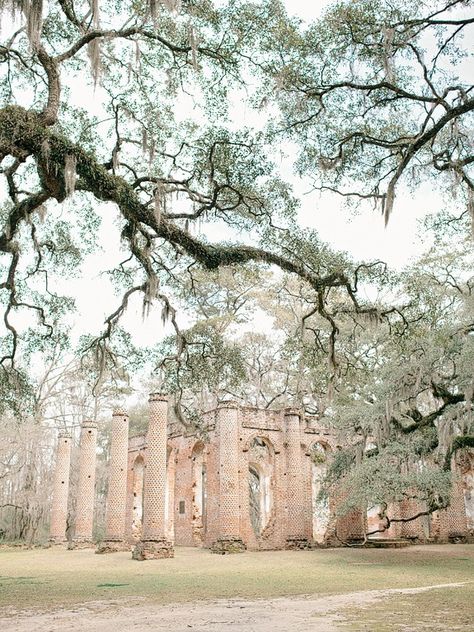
[{"x": 304, "y": 614}]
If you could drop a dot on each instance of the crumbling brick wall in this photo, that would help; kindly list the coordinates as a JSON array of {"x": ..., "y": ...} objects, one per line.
[{"x": 269, "y": 427}]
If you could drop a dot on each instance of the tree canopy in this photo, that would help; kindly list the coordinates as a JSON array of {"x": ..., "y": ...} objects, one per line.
[
  {"x": 354, "y": 89},
  {"x": 165, "y": 120}
]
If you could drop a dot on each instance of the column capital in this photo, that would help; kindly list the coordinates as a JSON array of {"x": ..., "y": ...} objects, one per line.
[
  {"x": 292, "y": 412},
  {"x": 158, "y": 397},
  {"x": 87, "y": 423},
  {"x": 64, "y": 434},
  {"x": 230, "y": 403},
  {"x": 119, "y": 412}
]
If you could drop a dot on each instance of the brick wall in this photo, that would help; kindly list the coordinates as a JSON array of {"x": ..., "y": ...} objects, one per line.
[{"x": 225, "y": 448}]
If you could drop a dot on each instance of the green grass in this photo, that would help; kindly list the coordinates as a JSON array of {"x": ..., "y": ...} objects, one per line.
[
  {"x": 41, "y": 579},
  {"x": 441, "y": 609}
]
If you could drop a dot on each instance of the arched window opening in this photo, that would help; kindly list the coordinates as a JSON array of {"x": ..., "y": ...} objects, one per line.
[
  {"x": 255, "y": 501},
  {"x": 260, "y": 481},
  {"x": 320, "y": 503},
  {"x": 204, "y": 496},
  {"x": 169, "y": 493}
]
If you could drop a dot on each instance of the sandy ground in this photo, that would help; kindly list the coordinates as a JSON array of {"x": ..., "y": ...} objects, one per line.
[{"x": 301, "y": 614}]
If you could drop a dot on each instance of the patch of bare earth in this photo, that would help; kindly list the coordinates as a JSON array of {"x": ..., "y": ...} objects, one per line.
[{"x": 302, "y": 614}]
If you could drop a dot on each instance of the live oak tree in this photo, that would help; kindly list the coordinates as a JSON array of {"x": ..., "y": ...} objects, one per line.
[
  {"x": 379, "y": 98},
  {"x": 132, "y": 146},
  {"x": 371, "y": 97},
  {"x": 379, "y": 95},
  {"x": 352, "y": 89}
]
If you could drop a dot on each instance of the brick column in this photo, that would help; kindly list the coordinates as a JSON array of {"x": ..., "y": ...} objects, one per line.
[
  {"x": 57, "y": 529},
  {"x": 452, "y": 521},
  {"x": 117, "y": 492},
  {"x": 86, "y": 486},
  {"x": 229, "y": 539},
  {"x": 296, "y": 537},
  {"x": 412, "y": 530},
  {"x": 154, "y": 544}
]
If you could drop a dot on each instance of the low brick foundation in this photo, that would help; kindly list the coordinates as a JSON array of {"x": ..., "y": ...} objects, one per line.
[
  {"x": 57, "y": 542},
  {"x": 152, "y": 550},
  {"x": 112, "y": 546},
  {"x": 79, "y": 543},
  {"x": 298, "y": 544},
  {"x": 222, "y": 546}
]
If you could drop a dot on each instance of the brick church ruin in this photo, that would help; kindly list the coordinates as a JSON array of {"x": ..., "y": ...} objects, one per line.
[{"x": 249, "y": 480}]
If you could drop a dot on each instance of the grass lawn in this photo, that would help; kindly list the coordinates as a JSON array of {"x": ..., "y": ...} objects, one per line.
[
  {"x": 441, "y": 609},
  {"x": 43, "y": 579}
]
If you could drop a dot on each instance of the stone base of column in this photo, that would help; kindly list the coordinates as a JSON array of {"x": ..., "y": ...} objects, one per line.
[
  {"x": 80, "y": 543},
  {"x": 112, "y": 546},
  {"x": 153, "y": 550},
  {"x": 222, "y": 546},
  {"x": 294, "y": 543},
  {"x": 332, "y": 541},
  {"x": 57, "y": 541}
]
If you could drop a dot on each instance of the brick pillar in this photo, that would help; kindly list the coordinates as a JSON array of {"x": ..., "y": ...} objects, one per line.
[
  {"x": 85, "y": 487},
  {"x": 57, "y": 529},
  {"x": 228, "y": 540},
  {"x": 117, "y": 492},
  {"x": 413, "y": 529},
  {"x": 154, "y": 544},
  {"x": 452, "y": 521},
  {"x": 296, "y": 533}
]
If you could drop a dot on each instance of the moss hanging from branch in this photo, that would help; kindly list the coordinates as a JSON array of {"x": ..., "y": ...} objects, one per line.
[{"x": 458, "y": 443}]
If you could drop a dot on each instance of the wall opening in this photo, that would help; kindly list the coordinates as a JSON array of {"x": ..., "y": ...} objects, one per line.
[
  {"x": 374, "y": 527},
  {"x": 467, "y": 482},
  {"x": 199, "y": 487},
  {"x": 260, "y": 485},
  {"x": 320, "y": 504},
  {"x": 255, "y": 501},
  {"x": 169, "y": 493},
  {"x": 137, "y": 507}
]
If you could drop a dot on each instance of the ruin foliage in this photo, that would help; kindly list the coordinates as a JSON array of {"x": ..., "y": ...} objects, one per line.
[
  {"x": 375, "y": 100},
  {"x": 400, "y": 395}
]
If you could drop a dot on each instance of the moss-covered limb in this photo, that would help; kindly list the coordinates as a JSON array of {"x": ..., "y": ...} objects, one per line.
[
  {"x": 389, "y": 520},
  {"x": 68, "y": 10},
  {"x": 124, "y": 34},
  {"x": 19, "y": 212},
  {"x": 25, "y": 132},
  {"x": 49, "y": 114},
  {"x": 458, "y": 443},
  {"x": 422, "y": 421}
]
